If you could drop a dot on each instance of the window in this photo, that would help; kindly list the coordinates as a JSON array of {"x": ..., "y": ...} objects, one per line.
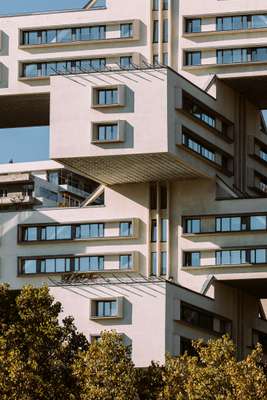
[
  {"x": 86, "y": 231},
  {"x": 192, "y": 226},
  {"x": 126, "y": 62},
  {"x": 263, "y": 155},
  {"x": 155, "y": 5},
  {"x": 258, "y": 222},
  {"x": 240, "y": 22},
  {"x": 106, "y": 133},
  {"x": 107, "y": 96},
  {"x": 154, "y": 263},
  {"x": 62, "y": 232},
  {"x": 243, "y": 55},
  {"x": 165, "y": 4},
  {"x": 195, "y": 146},
  {"x": 64, "y": 35},
  {"x": 53, "y": 68},
  {"x": 163, "y": 266},
  {"x": 156, "y": 31},
  {"x": 193, "y": 25},
  {"x": 236, "y": 257},
  {"x": 126, "y": 261},
  {"x": 30, "y": 234},
  {"x": 155, "y": 59},
  {"x": 164, "y": 230},
  {"x": 154, "y": 230},
  {"x": 87, "y": 264},
  {"x": 29, "y": 266},
  {"x": 192, "y": 259},
  {"x": 199, "y": 112},
  {"x": 258, "y": 256},
  {"x": 196, "y": 317},
  {"x": 165, "y": 31},
  {"x": 126, "y": 30},
  {"x": 165, "y": 58},
  {"x": 228, "y": 224},
  {"x": 193, "y": 58},
  {"x": 106, "y": 308},
  {"x": 126, "y": 229}
]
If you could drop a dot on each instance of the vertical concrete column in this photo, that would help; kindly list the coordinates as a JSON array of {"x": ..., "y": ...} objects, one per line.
[
  {"x": 150, "y": 32},
  {"x": 170, "y": 33}
]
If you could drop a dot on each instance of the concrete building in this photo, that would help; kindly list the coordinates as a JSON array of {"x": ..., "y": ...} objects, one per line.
[{"x": 157, "y": 226}]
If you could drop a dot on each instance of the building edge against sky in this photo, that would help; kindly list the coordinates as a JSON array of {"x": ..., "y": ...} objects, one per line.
[{"x": 153, "y": 215}]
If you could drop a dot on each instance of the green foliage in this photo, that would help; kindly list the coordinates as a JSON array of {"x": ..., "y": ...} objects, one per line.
[
  {"x": 214, "y": 374},
  {"x": 149, "y": 381},
  {"x": 106, "y": 371},
  {"x": 36, "y": 352}
]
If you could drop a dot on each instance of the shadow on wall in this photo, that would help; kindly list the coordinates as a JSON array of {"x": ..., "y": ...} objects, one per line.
[
  {"x": 4, "y": 45},
  {"x": 4, "y": 73}
]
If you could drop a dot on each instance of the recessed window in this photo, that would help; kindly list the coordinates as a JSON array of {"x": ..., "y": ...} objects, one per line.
[
  {"x": 193, "y": 25},
  {"x": 85, "y": 231},
  {"x": 258, "y": 222},
  {"x": 126, "y": 30},
  {"x": 263, "y": 155},
  {"x": 154, "y": 230},
  {"x": 155, "y": 31},
  {"x": 87, "y": 264},
  {"x": 164, "y": 229},
  {"x": 193, "y": 58},
  {"x": 227, "y": 257},
  {"x": 126, "y": 62},
  {"x": 165, "y": 31},
  {"x": 126, "y": 261},
  {"x": 126, "y": 229},
  {"x": 240, "y": 22},
  {"x": 196, "y": 317},
  {"x": 107, "y": 96},
  {"x": 163, "y": 263},
  {"x": 154, "y": 261},
  {"x": 107, "y": 133},
  {"x": 107, "y": 308},
  {"x": 197, "y": 147},
  {"x": 165, "y": 4},
  {"x": 192, "y": 259},
  {"x": 155, "y": 5},
  {"x": 228, "y": 224},
  {"x": 192, "y": 226}
]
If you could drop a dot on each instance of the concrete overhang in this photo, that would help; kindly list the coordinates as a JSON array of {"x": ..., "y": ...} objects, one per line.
[
  {"x": 24, "y": 110},
  {"x": 255, "y": 287},
  {"x": 253, "y": 87}
]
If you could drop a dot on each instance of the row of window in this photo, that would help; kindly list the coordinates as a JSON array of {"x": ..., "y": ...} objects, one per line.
[
  {"x": 229, "y": 257},
  {"x": 197, "y": 147},
  {"x": 230, "y": 56},
  {"x": 198, "y": 112},
  {"x": 70, "y": 264},
  {"x": 39, "y": 69},
  {"x": 203, "y": 319},
  {"x": 66, "y": 35},
  {"x": 71, "y": 232},
  {"x": 229, "y": 23},
  {"x": 227, "y": 224}
]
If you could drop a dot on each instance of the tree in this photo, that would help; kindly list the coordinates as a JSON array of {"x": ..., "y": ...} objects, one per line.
[
  {"x": 106, "y": 371},
  {"x": 214, "y": 374},
  {"x": 36, "y": 351}
]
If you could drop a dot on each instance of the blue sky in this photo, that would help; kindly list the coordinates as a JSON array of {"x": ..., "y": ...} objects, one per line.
[{"x": 29, "y": 144}]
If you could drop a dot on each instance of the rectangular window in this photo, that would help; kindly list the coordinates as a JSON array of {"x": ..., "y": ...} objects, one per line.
[
  {"x": 155, "y": 5},
  {"x": 107, "y": 96},
  {"x": 126, "y": 261},
  {"x": 258, "y": 256},
  {"x": 126, "y": 62},
  {"x": 154, "y": 230},
  {"x": 193, "y": 58},
  {"x": 164, "y": 230},
  {"x": 199, "y": 112},
  {"x": 263, "y": 155},
  {"x": 234, "y": 257},
  {"x": 62, "y": 67},
  {"x": 126, "y": 229},
  {"x": 87, "y": 264},
  {"x": 258, "y": 222},
  {"x": 192, "y": 226},
  {"x": 126, "y": 30},
  {"x": 193, "y": 25},
  {"x": 107, "y": 133},
  {"x": 107, "y": 308},
  {"x": 163, "y": 266},
  {"x": 165, "y": 58},
  {"x": 165, "y": 31},
  {"x": 29, "y": 234},
  {"x": 165, "y": 4},
  {"x": 192, "y": 259},
  {"x": 154, "y": 263},
  {"x": 196, "y": 317},
  {"x": 228, "y": 224},
  {"x": 87, "y": 231},
  {"x": 195, "y": 146},
  {"x": 156, "y": 31}
]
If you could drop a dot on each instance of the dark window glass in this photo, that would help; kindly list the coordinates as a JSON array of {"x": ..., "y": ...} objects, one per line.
[
  {"x": 126, "y": 229},
  {"x": 165, "y": 4},
  {"x": 155, "y": 31},
  {"x": 165, "y": 30},
  {"x": 126, "y": 62},
  {"x": 163, "y": 263},
  {"x": 153, "y": 230},
  {"x": 126, "y": 30},
  {"x": 198, "y": 148},
  {"x": 126, "y": 261},
  {"x": 154, "y": 263},
  {"x": 193, "y": 226},
  {"x": 192, "y": 259},
  {"x": 155, "y": 5},
  {"x": 196, "y": 317}
]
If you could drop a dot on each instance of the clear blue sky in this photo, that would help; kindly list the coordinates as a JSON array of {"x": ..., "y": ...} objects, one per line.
[{"x": 29, "y": 144}]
